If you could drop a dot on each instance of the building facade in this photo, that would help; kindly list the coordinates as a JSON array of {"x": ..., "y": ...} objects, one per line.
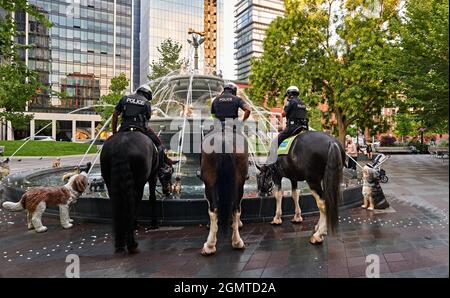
[
  {"x": 89, "y": 40},
  {"x": 163, "y": 19},
  {"x": 252, "y": 18},
  {"x": 136, "y": 43},
  {"x": 88, "y": 44}
]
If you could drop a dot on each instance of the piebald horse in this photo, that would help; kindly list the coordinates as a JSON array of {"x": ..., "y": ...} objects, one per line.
[
  {"x": 224, "y": 169},
  {"x": 318, "y": 159},
  {"x": 128, "y": 161}
]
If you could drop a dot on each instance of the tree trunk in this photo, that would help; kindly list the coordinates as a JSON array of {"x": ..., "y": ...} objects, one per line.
[{"x": 342, "y": 127}]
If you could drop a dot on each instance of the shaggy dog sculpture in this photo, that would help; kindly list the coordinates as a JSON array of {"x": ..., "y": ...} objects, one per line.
[{"x": 35, "y": 201}]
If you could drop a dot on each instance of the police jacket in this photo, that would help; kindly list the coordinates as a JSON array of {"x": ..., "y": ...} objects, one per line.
[
  {"x": 295, "y": 109},
  {"x": 227, "y": 106},
  {"x": 135, "y": 110}
]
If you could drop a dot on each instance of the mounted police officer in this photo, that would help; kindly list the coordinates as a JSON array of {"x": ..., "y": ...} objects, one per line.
[
  {"x": 136, "y": 112},
  {"x": 295, "y": 113},
  {"x": 227, "y": 105}
]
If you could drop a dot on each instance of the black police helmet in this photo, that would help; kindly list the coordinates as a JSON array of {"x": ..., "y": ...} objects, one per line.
[
  {"x": 232, "y": 87},
  {"x": 146, "y": 91}
]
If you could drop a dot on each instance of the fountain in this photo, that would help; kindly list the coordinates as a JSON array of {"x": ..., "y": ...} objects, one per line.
[{"x": 181, "y": 110}]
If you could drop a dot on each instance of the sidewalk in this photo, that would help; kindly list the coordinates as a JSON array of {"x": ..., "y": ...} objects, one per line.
[
  {"x": 20, "y": 164},
  {"x": 411, "y": 239}
]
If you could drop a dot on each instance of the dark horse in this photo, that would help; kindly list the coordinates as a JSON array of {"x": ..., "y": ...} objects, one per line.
[
  {"x": 128, "y": 161},
  {"x": 224, "y": 168},
  {"x": 318, "y": 159}
]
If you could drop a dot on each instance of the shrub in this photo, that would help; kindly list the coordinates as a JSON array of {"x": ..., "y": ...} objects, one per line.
[
  {"x": 443, "y": 143},
  {"x": 421, "y": 148},
  {"x": 388, "y": 141}
]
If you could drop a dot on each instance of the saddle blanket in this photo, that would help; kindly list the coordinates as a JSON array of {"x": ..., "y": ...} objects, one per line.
[{"x": 285, "y": 146}]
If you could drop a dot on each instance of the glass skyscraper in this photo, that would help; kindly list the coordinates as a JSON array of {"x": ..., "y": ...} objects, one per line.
[
  {"x": 136, "y": 43},
  {"x": 253, "y": 17},
  {"x": 161, "y": 19},
  {"x": 89, "y": 43}
]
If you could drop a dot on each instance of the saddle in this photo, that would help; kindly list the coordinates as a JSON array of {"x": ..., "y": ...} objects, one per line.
[{"x": 285, "y": 146}]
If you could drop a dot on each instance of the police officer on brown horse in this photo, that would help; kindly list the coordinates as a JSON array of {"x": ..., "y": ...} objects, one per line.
[
  {"x": 227, "y": 105},
  {"x": 136, "y": 112},
  {"x": 295, "y": 113},
  {"x": 224, "y": 172}
]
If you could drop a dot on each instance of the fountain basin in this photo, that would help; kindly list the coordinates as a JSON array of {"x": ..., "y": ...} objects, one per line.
[{"x": 95, "y": 207}]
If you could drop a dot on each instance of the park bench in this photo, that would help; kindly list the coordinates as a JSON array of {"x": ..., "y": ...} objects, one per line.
[
  {"x": 439, "y": 152},
  {"x": 394, "y": 150}
]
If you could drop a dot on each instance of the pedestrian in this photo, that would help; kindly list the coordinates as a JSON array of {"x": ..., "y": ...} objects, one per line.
[
  {"x": 369, "y": 151},
  {"x": 352, "y": 152}
]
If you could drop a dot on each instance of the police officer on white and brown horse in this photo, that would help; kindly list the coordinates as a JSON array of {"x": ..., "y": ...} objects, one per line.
[
  {"x": 224, "y": 172},
  {"x": 136, "y": 112},
  {"x": 227, "y": 105},
  {"x": 295, "y": 113}
]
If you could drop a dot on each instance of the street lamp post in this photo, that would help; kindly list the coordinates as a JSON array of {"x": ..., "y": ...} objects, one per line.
[{"x": 197, "y": 40}]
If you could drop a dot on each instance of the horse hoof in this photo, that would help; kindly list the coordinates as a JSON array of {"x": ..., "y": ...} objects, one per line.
[
  {"x": 41, "y": 230},
  {"x": 370, "y": 208},
  {"x": 316, "y": 240},
  {"x": 364, "y": 206},
  {"x": 133, "y": 251},
  {"x": 121, "y": 252},
  {"x": 297, "y": 220},
  {"x": 239, "y": 245},
  {"x": 208, "y": 251},
  {"x": 71, "y": 220},
  {"x": 68, "y": 226},
  {"x": 276, "y": 222}
]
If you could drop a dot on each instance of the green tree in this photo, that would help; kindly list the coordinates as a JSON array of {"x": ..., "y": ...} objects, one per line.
[
  {"x": 18, "y": 84},
  {"x": 116, "y": 91},
  {"x": 404, "y": 125},
  {"x": 422, "y": 62},
  {"x": 341, "y": 60},
  {"x": 169, "y": 60}
]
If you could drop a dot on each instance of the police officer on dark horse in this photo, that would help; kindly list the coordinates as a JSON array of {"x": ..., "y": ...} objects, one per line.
[
  {"x": 314, "y": 157},
  {"x": 129, "y": 160},
  {"x": 136, "y": 111},
  {"x": 224, "y": 173},
  {"x": 295, "y": 113}
]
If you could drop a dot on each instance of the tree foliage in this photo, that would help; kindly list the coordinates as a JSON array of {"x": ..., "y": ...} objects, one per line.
[
  {"x": 422, "y": 62},
  {"x": 18, "y": 84},
  {"x": 342, "y": 59},
  {"x": 169, "y": 60},
  {"x": 116, "y": 91}
]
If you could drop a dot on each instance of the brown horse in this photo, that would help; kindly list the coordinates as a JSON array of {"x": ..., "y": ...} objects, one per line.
[{"x": 224, "y": 169}]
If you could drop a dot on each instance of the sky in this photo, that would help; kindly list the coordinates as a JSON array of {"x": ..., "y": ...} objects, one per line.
[{"x": 229, "y": 67}]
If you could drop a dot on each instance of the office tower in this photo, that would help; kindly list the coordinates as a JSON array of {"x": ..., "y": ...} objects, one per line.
[{"x": 253, "y": 17}]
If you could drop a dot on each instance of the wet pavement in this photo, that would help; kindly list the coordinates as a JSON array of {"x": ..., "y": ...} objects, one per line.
[{"x": 410, "y": 239}]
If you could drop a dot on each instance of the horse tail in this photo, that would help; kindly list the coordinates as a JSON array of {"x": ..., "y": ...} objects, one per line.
[
  {"x": 227, "y": 191},
  {"x": 123, "y": 192},
  {"x": 331, "y": 185}
]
